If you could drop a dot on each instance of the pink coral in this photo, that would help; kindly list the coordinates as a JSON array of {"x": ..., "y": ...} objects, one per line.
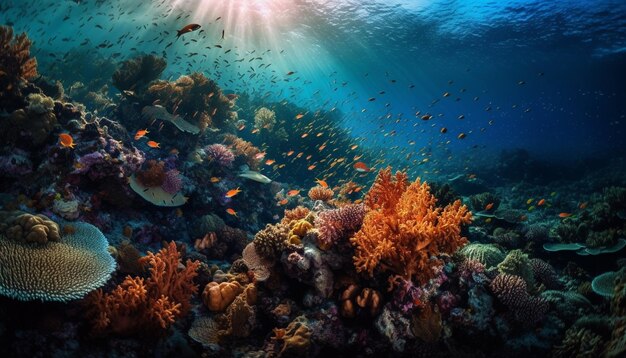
[
  {"x": 336, "y": 224},
  {"x": 220, "y": 154},
  {"x": 172, "y": 181}
]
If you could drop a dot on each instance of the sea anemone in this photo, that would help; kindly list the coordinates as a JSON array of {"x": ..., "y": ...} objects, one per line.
[{"x": 220, "y": 154}]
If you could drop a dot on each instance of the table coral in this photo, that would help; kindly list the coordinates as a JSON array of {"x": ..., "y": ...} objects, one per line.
[
  {"x": 150, "y": 305},
  {"x": 53, "y": 269},
  {"x": 404, "y": 230}
]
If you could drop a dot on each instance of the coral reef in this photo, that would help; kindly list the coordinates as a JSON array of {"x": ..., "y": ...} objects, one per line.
[
  {"x": 337, "y": 224},
  {"x": 403, "y": 229},
  {"x": 321, "y": 193},
  {"x": 264, "y": 118},
  {"x": 136, "y": 73}
]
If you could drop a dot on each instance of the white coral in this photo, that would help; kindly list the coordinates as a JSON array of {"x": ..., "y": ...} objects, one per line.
[{"x": 39, "y": 103}]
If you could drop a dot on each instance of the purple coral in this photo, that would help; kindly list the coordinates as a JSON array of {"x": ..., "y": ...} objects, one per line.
[
  {"x": 511, "y": 291},
  {"x": 336, "y": 224},
  {"x": 172, "y": 182},
  {"x": 220, "y": 154}
]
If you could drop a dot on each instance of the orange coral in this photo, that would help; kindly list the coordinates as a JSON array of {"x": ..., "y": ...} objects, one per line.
[
  {"x": 149, "y": 305},
  {"x": 321, "y": 193},
  {"x": 244, "y": 149},
  {"x": 297, "y": 213},
  {"x": 404, "y": 230},
  {"x": 218, "y": 296},
  {"x": 153, "y": 175}
]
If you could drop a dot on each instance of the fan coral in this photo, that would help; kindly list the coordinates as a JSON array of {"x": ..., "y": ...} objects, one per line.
[
  {"x": 270, "y": 241},
  {"x": 511, "y": 291},
  {"x": 16, "y": 66},
  {"x": 321, "y": 193},
  {"x": 218, "y": 296},
  {"x": 136, "y": 73},
  {"x": 404, "y": 231},
  {"x": 220, "y": 154},
  {"x": 337, "y": 224},
  {"x": 57, "y": 270},
  {"x": 150, "y": 305},
  {"x": 246, "y": 150},
  {"x": 264, "y": 118}
]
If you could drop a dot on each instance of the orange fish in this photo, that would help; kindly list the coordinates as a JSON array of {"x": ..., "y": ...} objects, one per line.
[
  {"x": 488, "y": 206},
  {"x": 153, "y": 144},
  {"x": 299, "y": 115},
  {"x": 255, "y": 130},
  {"x": 241, "y": 127},
  {"x": 231, "y": 212},
  {"x": 582, "y": 205},
  {"x": 311, "y": 167},
  {"x": 290, "y": 153},
  {"x": 270, "y": 162},
  {"x": 186, "y": 29},
  {"x": 322, "y": 147},
  {"x": 259, "y": 155},
  {"x": 565, "y": 215},
  {"x": 304, "y": 135},
  {"x": 215, "y": 180},
  {"x": 293, "y": 192},
  {"x": 232, "y": 192},
  {"x": 283, "y": 202},
  {"x": 322, "y": 183},
  {"x": 66, "y": 140},
  {"x": 541, "y": 202},
  {"x": 140, "y": 133},
  {"x": 354, "y": 147},
  {"x": 361, "y": 167}
]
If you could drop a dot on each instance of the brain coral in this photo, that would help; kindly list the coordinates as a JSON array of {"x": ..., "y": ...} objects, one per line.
[{"x": 57, "y": 270}]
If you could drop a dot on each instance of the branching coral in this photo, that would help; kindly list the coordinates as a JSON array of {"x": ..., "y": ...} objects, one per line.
[
  {"x": 16, "y": 65},
  {"x": 136, "y": 73},
  {"x": 149, "y": 305},
  {"x": 404, "y": 231},
  {"x": 337, "y": 224},
  {"x": 243, "y": 149}
]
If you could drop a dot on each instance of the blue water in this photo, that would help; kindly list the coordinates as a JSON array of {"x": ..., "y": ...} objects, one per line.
[{"x": 570, "y": 56}]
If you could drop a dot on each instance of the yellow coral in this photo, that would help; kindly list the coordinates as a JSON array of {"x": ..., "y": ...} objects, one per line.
[
  {"x": 404, "y": 230},
  {"x": 298, "y": 230}
]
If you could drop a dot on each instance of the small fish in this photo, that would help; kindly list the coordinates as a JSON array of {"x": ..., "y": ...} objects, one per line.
[
  {"x": 461, "y": 136},
  {"x": 583, "y": 205},
  {"x": 222, "y": 34},
  {"x": 541, "y": 202},
  {"x": 361, "y": 167},
  {"x": 270, "y": 162},
  {"x": 259, "y": 156},
  {"x": 427, "y": 117},
  {"x": 186, "y": 29},
  {"x": 565, "y": 215},
  {"x": 283, "y": 202},
  {"x": 66, "y": 140},
  {"x": 153, "y": 144},
  {"x": 321, "y": 183},
  {"x": 488, "y": 206},
  {"x": 231, "y": 212},
  {"x": 232, "y": 192},
  {"x": 293, "y": 192},
  {"x": 311, "y": 167},
  {"x": 290, "y": 73},
  {"x": 140, "y": 133},
  {"x": 299, "y": 115},
  {"x": 443, "y": 130},
  {"x": 215, "y": 180}
]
